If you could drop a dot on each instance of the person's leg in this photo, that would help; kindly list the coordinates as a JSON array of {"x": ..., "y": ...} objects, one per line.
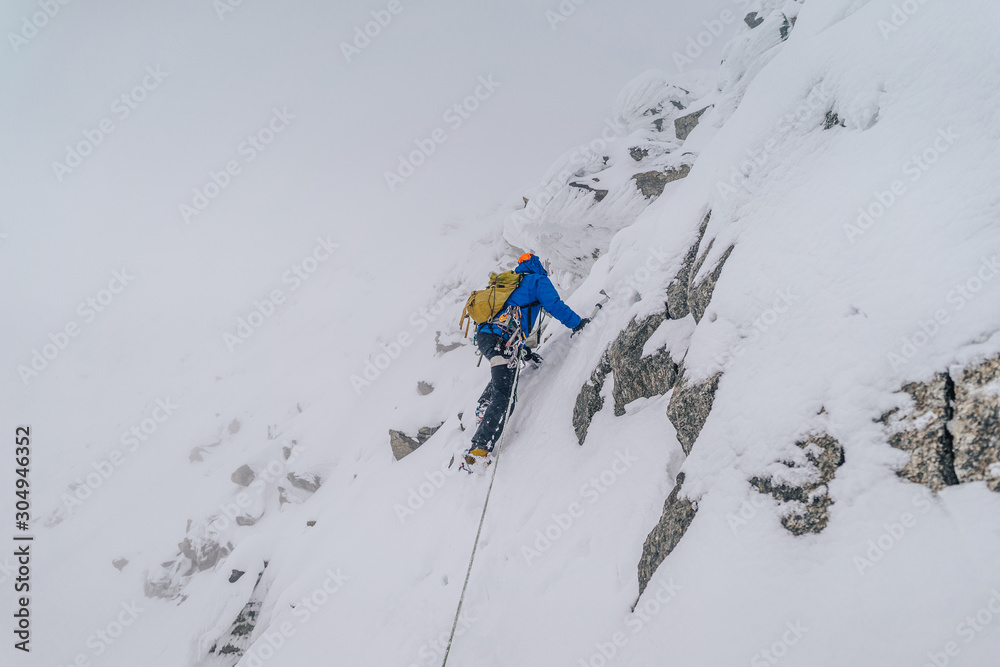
[{"x": 492, "y": 425}]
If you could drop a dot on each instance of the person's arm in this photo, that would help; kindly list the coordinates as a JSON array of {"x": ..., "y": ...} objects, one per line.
[{"x": 549, "y": 298}]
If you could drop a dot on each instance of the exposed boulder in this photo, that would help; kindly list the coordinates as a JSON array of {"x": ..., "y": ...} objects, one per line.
[
  {"x": 689, "y": 407},
  {"x": 599, "y": 195},
  {"x": 402, "y": 444},
  {"x": 684, "y": 125},
  {"x": 635, "y": 375},
  {"x": 589, "y": 401},
  {"x": 921, "y": 430},
  {"x": 424, "y": 388},
  {"x": 752, "y": 20},
  {"x": 700, "y": 294},
  {"x": 652, "y": 183},
  {"x": 803, "y": 491},
  {"x": 309, "y": 482},
  {"x": 976, "y": 424},
  {"x": 678, "y": 513},
  {"x": 237, "y": 639},
  {"x": 677, "y": 290},
  {"x": 120, "y": 563},
  {"x": 243, "y": 476}
]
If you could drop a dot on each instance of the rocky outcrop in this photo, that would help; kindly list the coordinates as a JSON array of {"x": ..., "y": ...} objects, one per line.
[
  {"x": 684, "y": 125},
  {"x": 689, "y": 407},
  {"x": 237, "y": 639},
  {"x": 678, "y": 513},
  {"x": 309, "y": 483},
  {"x": 677, "y": 290},
  {"x": 700, "y": 294},
  {"x": 803, "y": 491},
  {"x": 589, "y": 401},
  {"x": 652, "y": 183},
  {"x": 975, "y": 424},
  {"x": 635, "y": 376},
  {"x": 599, "y": 195},
  {"x": 950, "y": 428},
  {"x": 403, "y": 445},
  {"x": 921, "y": 430},
  {"x": 243, "y": 476}
]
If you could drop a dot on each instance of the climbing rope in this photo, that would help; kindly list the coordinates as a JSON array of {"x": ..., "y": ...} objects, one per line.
[{"x": 475, "y": 545}]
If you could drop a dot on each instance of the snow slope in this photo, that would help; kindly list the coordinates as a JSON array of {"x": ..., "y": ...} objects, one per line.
[{"x": 811, "y": 323}]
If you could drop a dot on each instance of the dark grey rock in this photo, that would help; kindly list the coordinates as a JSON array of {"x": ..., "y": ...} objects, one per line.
[
  {"x": 204, "y": 553},
  {"x": 441, "y": 348},
  {"x": 424, "y": 388},
  {"x": 599, "y": 195},
  {"x": 684, "y": 125},
  {"x": 589, "y": 401},
  {"x": 677, "y": 290},
  {"x": 243, "y": 476},
  {"x": 808, "y": 505},
  {"x": 689, "y": 407},
  {"x": 310, "y": 483},
  {"x": 921, "y": 430},
  {"x": 638, "y": 154},
  {"x": 235, "y": 576},
  {"x": 678, "y": 513},
  {"x": 976, "y": 424},
  {"x": 120, "y": 563},
  {"x": 700, "y": 294},
  {"x": 635, "y": 376},
  {"x": 833, "y": 120},
  {"x": 403, "y": 445},
  {"x": 652, "y": 183},
  {"x": 235, "y": 641}
]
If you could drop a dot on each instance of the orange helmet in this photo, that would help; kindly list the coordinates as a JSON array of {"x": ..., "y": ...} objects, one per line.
[{"x": 525, "y": 257}]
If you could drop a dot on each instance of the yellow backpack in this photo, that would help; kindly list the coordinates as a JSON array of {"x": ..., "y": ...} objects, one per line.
[{"x": 483, "y": 305}]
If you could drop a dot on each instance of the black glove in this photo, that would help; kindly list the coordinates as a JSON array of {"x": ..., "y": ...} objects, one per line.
[
  {"x": 528, "y": 355},
  {"x": 583, "y": 322}
]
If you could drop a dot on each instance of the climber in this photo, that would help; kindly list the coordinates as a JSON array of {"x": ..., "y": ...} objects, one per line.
[{"x": 503, "y": 336}]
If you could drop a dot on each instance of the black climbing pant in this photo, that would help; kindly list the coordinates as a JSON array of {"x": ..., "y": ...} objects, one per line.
[{"x": 497, "y": 392}]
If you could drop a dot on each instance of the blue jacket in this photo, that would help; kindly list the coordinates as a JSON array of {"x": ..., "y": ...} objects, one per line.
[{"x": 534, "y": 293}]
